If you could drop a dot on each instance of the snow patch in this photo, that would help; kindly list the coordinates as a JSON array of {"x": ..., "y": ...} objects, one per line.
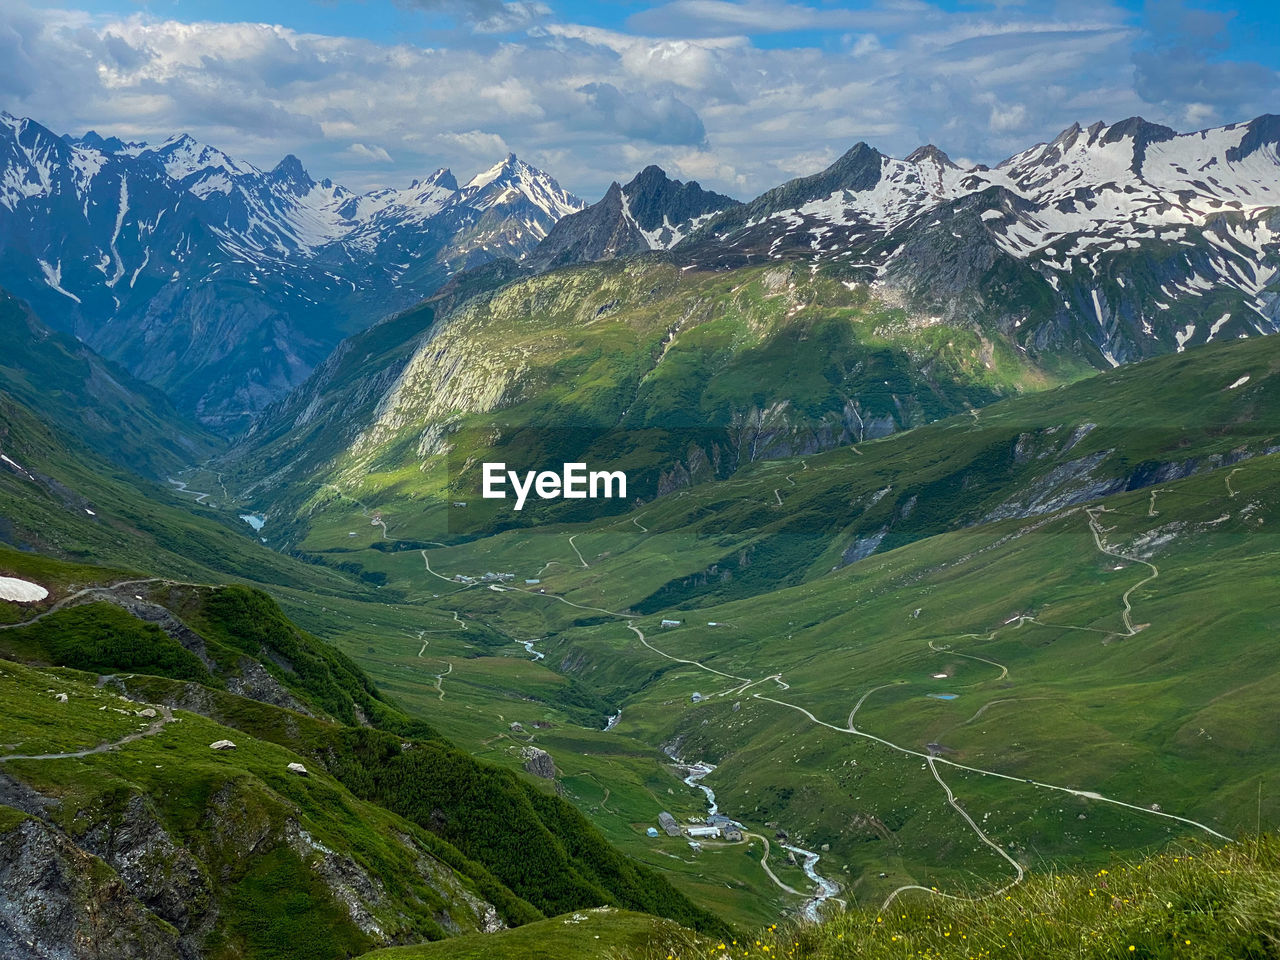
[{"x": 21, "y": 591}]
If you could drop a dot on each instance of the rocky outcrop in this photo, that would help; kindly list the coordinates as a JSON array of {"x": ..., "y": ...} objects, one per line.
[
  {"x": 351, "y": 885},
  {"x": 160, "y": 873},
  {"x": 59, "y": 902},
  {"x": 539, "y": 763},
  {"x": 467, "y": 911},
  {"x": 255, "y": 683},
  {"x": 780, "y": 430}
]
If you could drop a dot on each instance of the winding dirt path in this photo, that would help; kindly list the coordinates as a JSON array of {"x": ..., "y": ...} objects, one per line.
[
  {"x": 1230, "y": 492},
  {"x": 929, "y": 758},
  {"x": 1019, "y": 872},
  {"x": 1097, "y": 530},
  {"x": 1004, "y": 671},
  {"x": 166, "y": 715},
  {"x": 764, "y": 862},
  {"x": 99, "y": 590},
  {"x": 863, "y": 699},
  {"x": 440, "y": 678},
  {"x": 693, "y": 663},
  {"x": 1087, "y": 794},
  {"x": 983, "y": 709}
]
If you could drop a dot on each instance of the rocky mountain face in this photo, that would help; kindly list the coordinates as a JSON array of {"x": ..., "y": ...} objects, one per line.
[
  {"x": 222, "y": 284},
  {"x": 652, "y": 212},
  {"x": 1112, "y": 242}
]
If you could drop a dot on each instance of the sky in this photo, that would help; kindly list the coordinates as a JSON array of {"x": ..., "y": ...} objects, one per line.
[{"x": 737, "y": 94}]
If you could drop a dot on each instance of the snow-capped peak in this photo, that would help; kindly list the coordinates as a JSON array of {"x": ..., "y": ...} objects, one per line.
[
  {"x": 183, "y": 155},
  {"x": 442, "y": 178},
  {"x": 505, "y": 182},
  {"x": 504, "y": 170}
]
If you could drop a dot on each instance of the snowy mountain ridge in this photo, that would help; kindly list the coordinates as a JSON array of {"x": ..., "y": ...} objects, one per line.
[
  {"x": 651, "y": 212},
  {"x": 222, "y": 283},
  {"x": 1179, "y": 218},
  {"x": 285, "y": 211}
]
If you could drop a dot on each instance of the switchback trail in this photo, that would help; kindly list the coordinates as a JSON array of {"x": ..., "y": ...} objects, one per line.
[
  {"x": 929, "y": 758},
  {"x": 182, "y": 488},
  {"x": 1096, "y": 529},
  {"x": 440, "y": 678},
  {"x": 1087, "y": 794}
]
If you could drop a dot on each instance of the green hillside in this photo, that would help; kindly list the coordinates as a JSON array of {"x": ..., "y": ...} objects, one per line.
[
  {"x": 392, "y": 835},
  {"x": 122, "y": 419},
  {"x": 1012, "y": 637},
  {"x": 1190, "y": 902},
  {"x": 677, "y": 377}
]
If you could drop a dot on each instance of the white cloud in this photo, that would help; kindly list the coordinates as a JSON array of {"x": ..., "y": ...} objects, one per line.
[
  {"x": 373, "y": 154},
  {"x": 682, "y": 86}
]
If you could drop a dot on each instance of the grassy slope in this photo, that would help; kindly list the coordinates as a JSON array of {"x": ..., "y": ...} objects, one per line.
[
  {"x": 578, "y": 936},
  {"x": 681, "y": 537},
  {"x": 228, "y": 815},
  {"x": 636, "y": 365},
  {"x": 68, "y": 502},
  {"x": 531, "y": 842},
  {"x": 1190, "y": 903},
  {"x": 121, "y": 419}
]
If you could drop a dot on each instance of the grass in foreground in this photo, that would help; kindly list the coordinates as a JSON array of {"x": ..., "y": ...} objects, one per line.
[
  {"x": 1194, "y": 903},
  {"x": 583, "y": 935}
]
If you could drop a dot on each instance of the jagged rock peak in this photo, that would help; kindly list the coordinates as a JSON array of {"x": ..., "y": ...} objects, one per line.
[
  {"x": 931, "y": 153},
  {"x": 291, "y": 169},
  {"x": 1141, "y": 131},
  {"x": 441, "y": 178}
]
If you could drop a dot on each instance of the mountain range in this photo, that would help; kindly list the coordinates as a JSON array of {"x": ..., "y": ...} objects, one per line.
[
  {"x": 1113, "y": 242},
  {"x": 224, "y": 284}
]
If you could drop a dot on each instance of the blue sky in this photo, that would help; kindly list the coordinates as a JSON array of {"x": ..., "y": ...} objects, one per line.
[{"x": 739, "y": 94}]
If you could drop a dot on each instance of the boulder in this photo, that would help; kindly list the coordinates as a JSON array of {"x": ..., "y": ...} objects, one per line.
[
  {"x": 222, "y": 745},
  {"x": 297, "y": 770},
  {"x": 539, "y": 763}
]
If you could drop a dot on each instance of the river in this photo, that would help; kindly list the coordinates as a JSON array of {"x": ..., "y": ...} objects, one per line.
[{"x": 827, "y": 889}]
